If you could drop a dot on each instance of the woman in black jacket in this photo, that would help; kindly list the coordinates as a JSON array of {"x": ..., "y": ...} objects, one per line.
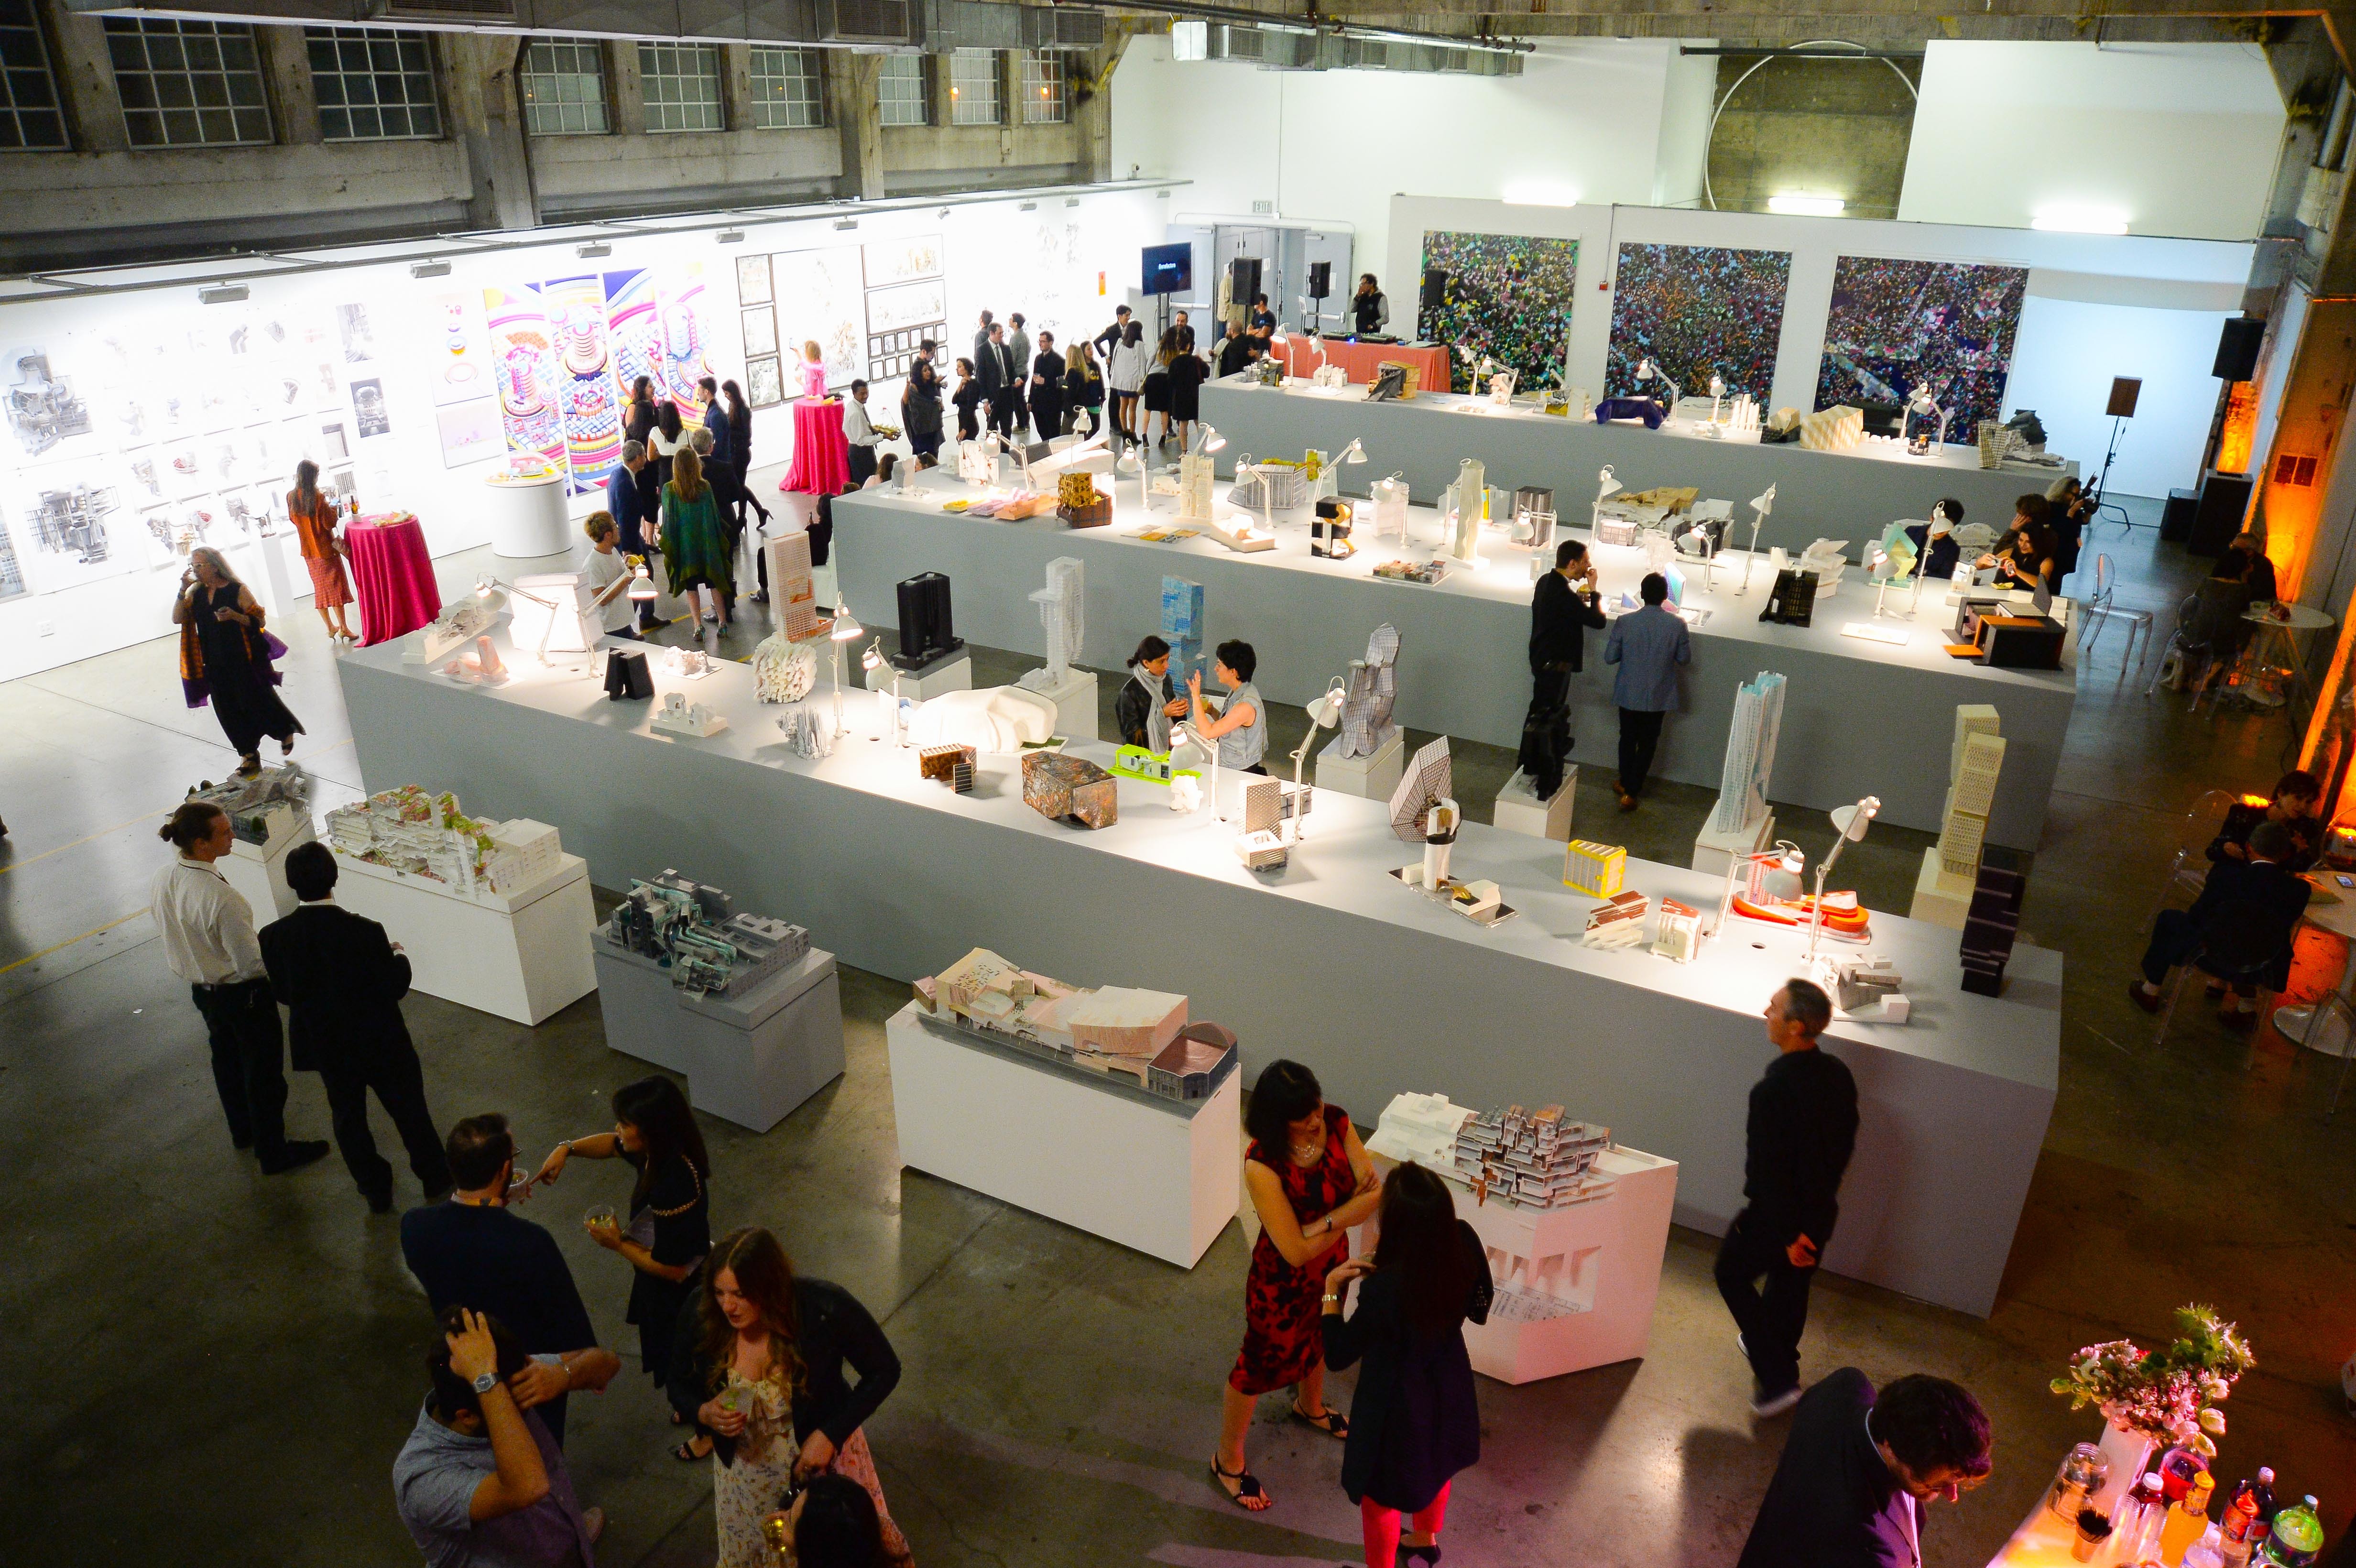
[
  {"x": 757, "y": 1331},
  {"x": 968, "y": 400},
  {"x": 920, "y": 403},
  {"x": 1414, "y": 1421}
]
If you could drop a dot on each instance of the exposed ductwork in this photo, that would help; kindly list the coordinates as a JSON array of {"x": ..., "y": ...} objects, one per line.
[{"x": 1285, "y": 49}]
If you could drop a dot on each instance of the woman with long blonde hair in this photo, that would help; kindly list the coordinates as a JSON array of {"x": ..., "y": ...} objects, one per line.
[
  {"x": 694, "y": 542},
  {"x": 765, "y": 1377}
]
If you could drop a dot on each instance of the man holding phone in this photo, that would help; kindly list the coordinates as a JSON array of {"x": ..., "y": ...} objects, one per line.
[{"x": 1565, "y": 607}]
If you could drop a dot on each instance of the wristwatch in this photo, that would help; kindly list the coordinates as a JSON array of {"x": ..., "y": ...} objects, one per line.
[{"x": 486, "y": 1383}]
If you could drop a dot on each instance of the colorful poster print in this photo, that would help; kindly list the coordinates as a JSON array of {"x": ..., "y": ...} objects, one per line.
[
  {"x": 1508, "y": 297},
  {"x": 658, "y": 330},
  {"x": 590, "y": 397},
  {"x": 1896, "y": 326},
  {"x": 529, "y": 378},
  {"x": 1698, "y": 311},
  {"x": 821, "y": 299}
]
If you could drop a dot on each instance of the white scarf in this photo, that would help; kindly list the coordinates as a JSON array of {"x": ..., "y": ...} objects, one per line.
[{"x": 1157, "y": 722}]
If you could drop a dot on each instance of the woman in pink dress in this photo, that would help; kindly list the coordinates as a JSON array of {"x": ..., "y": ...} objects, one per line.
[{"x": 821, "y": 464}]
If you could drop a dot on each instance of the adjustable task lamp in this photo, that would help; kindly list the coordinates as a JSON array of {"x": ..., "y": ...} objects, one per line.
[
  {"x": 642, "y": 585},
  {"x": 1323, "y": 714},
  {"x": 1717, "y": 396},
  {"x": 1130, "y": 466},
  {"x": 493, "y": 593},
  {"x": 1923, "y": 405},
  {"x": 1785, "y": 857},
  {"x": 888, "y": 721},
  {"x": 1648, "y": 369},
  {"x": 1606, "y": 486},
  {"x": 1851, "y": 821},
  {"x": 1760, "y": 507},
  {"x": 1351, "y": 455},
  {"x": 847, "y": 629},
  {"x": 1208, "y": 440}
]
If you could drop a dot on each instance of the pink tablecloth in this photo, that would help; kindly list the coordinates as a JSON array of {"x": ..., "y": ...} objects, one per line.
[
  {"x": 821, "y": 465},
  {"x": 392, "y": 576},
  {"x": 1358, "y": 360}
]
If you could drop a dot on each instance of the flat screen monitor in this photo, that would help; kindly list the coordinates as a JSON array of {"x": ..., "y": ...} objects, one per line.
[{"x": 1169, "y": 269}]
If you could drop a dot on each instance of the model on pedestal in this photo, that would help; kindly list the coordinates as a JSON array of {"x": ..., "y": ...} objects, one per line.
[
  {"x": 1366, "y": 726},
  {"x": 1749, "y": 754},
  {"x": 1062, "y": 604},
  {"x": 1565, "y": 605}
]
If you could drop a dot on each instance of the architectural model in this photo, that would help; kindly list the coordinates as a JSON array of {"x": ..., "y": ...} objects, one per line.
[
  {"x": 951, "y": 764},
  {"x": 267, "y": 806},
  {"x": 1390, "y": 497},
  {"x": 1118, "y": 1028},
  {"x": 978, "y": 462},
  {"x": 693, "y": 929},
  {"x": 993, "y": 719},
  {"x": 678, "y": 716},
  {"x": 688, "y": 664},
  {"x": 806, "y": 731},
  {"x": 1532, "y": 1161},
  {"x": 1366, "y": 726},
  {"x": 1057, "y": 786},
  {"x": 1182, "y": 627},
  {"x": 1990, "y": 926},
  {"x": 1430, "y": 779},
  {"x": 928, "y": 627},
  {"x": 1596, "y": 869},
  {"x": 1749, "y": 754},
  {"x": 1196, "y": 482},
  {"x": 1079, "y": 503},
  {"x": 1859, "y": 984},
  {"x": 1062, "y": 604},
  {"x": 460, "y": 623},
  {"x": 1836, "y": 428},
  {"x": 1972, "y": 768},
  {"x": 1468, "y": 507},
  {"x": 792, "y": 589},
  {"x": 1264, "y": 844},
  {"x": 1275, "y": 484},
  {"x": 784, "y": 670},
  {"x": 420, "y": 835},
  {"x": 1421, "y": 1129},
  {"x": 1329, "y": 530},
  {"x": 1677, "y": 935},
  {"x": 1618, "y": 921},
  {"x": 1423, "y": 572}
]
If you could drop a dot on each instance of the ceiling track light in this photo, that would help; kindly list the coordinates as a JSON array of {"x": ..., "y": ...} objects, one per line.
[
  {"x": 429, "y": 269},
  {"x": 593, "y": 250},
  {"x": 222, "y": 293},
  {"x": 846, "y": 223},
  {"x": 1029, "y": 206},
  {"x": 730, "y": 237}
]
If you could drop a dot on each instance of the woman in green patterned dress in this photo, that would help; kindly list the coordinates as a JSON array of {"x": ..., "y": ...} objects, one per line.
[{"x": 694, "y": 546}]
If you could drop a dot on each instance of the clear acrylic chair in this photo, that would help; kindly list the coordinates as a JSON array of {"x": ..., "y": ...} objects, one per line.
[
  {"x": 2188, "y": 869},
  {"x": 2101, "y": 608}
]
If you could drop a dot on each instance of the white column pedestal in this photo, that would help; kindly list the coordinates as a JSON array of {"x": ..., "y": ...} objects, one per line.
[
  {"x": 947, "y": 674},
  {"x": 522, "y": 957},
  {"x": 258, "y": 871},
  {"x": 1370, "y": 777},
  {"x": 1519, "y": 809},
  {"x": 1074, "y": 700},
  {"x": 1712, "y": 851},
  {"x": 1940, "y": 899}
]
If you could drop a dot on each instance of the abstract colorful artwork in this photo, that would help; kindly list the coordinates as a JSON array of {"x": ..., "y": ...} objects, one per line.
[
  {"x": 591, "y": 397},
  {"x": 1896, "y": 325},
  {"x": 1508, "y": 297},
  {"x": 658, "y": 330},
  {"x": 1698, "y": 311},
  {"x": 530, "y": 376}
]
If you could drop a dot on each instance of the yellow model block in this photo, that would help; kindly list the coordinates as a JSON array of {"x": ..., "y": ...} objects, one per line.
[{"x": 1596, "y": 869}]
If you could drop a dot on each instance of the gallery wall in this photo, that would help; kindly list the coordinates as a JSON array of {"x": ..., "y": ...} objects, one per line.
[
  {"x": 2171, "y": 290},
  {"x": 189, "y": 417},
  {"x": 2176, "y": 139}
]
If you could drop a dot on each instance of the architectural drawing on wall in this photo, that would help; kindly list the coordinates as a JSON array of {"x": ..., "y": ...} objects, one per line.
[
  {"x": 42, "y": 408},
  {"x": 530, "y": 411},
  {"x": 69, "y": 518},
  {"x": 12, "y": 573},
  {"x": 760, "y": 330},
  {"x": 461, "y": 355},
  {"x": 367, "y": 408},
  {"x": 889, "y": 262},
  {"x": 898, "y": 319},
  {"x": 590, "y": 397},
  {"x": 753, "y": 281},
  {"x": 1508, "y": 297},
  {"x": 1749, "y": 754},
  {"x": 357, "y": 335},
  {"x": 1896, "y": 325},
  {"x": 469, "y": 432},
  {"x": 764, "y": 386},
  {"x": 1697, "y": 311},
  {"x": 821, "y": 298}
]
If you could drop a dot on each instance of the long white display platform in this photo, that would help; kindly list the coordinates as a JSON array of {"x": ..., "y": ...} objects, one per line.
[
  {"x": 1331, "y": 961},
  {"x": 1162, "y": 1178},
  {"x": 749, "y": 1058},
  {"x": 1850, "y": 495},
  {"x": 522, "y": 958},
  {"x": 1859, "y": 717}
]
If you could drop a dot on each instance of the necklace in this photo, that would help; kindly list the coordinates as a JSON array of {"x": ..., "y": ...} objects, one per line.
[{"x": 1307, "y": 1154}]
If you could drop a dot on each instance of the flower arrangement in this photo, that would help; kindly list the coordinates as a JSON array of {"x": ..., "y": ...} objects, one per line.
[{"x": 2170, "y": 1394}]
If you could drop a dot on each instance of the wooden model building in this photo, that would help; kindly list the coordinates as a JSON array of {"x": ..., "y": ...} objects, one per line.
[{"x": 1080, "y": 504}]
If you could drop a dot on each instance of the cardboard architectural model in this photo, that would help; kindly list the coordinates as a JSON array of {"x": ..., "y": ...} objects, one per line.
[
  {"x": 694, "y": 931},
  {"x": 1058, "y": 786},
  {"x": 1366, "y": 726},
  {"x": 1117, "y": 1028},
  {"x": 420, "y": 835},
  {"x": 1534, "y": 1161},
  {"x": 1973, "y": 764},
  {"x": 1421, "y": 1128},
  {"x": 267, "y": 806}
]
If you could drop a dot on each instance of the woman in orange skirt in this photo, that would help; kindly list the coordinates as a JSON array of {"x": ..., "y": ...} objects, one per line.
[{"x": 314, "y": 516}]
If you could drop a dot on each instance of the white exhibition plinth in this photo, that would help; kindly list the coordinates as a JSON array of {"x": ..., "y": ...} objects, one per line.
[
  {"x": 1371, "y": 777},
  {"x": 1575, "y": 1286},
  {"x": 749, "y": 1058},
  {"x": 1850, "y": 495},
  {"x": 1859, "y": 718},
  {"x": 258, "y": 871},
  {"x": 527, "y": 516},
  {"x": 1331, "y": 961},
  {"x": 941, "y": 676},
  {"x": 522, "y": 957},
  {"x": 1519, "y": 809},
  {"x": 1155, "y": 1176}
]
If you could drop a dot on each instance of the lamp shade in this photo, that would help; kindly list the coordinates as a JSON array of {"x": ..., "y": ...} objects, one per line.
[
  {"x": 1326, "y": 711},
  {"x": 492, "y": 595},
  {"x": 1605, "y": 485},
  {"x": 642, "y": 586},
  {"x": 1853, "y": 820},
  {"x": 846, "y": 624}
]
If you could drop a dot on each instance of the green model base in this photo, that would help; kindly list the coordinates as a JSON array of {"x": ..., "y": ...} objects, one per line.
[{"x": 1148, "y": 767}]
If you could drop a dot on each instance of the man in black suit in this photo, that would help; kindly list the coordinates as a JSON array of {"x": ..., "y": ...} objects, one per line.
[
  {"x": 1002, "y": 382},
  {"x": 1849, "y": 1489},
  {"x": 2240, "y": 927},
  {"x": 1564, "y": 607},
  {"x": 342, "y": 983}
]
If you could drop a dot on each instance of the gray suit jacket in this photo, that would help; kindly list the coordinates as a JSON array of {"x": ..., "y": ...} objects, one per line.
[{"x": 1648, "y": 645}]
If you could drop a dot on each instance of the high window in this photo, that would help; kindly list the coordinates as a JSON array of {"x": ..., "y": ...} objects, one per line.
[
  {"x": 187, "y": 84},
  {"x": 373, "y": 84},
  {"x": 565, "y": 86},
  {"x": 900, "y": 91},
  {"x": 1043, "y": 89},
  {"x": 974, "y": 88},
  {"x": 787, "y": 93},
  {"x": 682, "y": 83},
  {"x": 29, "y": 116}
]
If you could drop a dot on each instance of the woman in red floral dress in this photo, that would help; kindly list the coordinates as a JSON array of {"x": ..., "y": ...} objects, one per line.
[{"x": 1311, "y": 1180}]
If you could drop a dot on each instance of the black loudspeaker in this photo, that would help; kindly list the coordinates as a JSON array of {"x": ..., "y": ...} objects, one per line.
[
  {"x": 1435, "y": 287},
  {"x": 2237, "y": 349},
  {"x": 2224, "y": 502},
  {"x": 1320, "y": 279},
  {"x": 1243, "y": 279},
  {"x": 926, "y": 635},
  {"x": 2125, "y": 389}
]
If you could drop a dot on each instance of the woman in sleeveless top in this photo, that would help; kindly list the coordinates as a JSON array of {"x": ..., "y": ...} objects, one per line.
[
  {"x": 1241, "y": 728},
  {"x": 1309, "y": 1181},
  {"x": 314, "y": 516}
]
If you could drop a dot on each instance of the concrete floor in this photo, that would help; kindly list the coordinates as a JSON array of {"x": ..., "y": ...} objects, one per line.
[{"x": 211, "y": 1366}]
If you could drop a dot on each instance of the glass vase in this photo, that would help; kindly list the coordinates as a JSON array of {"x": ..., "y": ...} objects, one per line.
[{"x": 2129, "y": 1453}]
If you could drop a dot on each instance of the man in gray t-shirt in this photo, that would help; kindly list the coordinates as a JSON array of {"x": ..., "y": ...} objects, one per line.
[{"x": 479, "y": 1483}]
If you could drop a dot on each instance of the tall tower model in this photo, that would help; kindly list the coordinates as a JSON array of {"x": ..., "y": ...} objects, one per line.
[{"x": 1749, "y": 754}]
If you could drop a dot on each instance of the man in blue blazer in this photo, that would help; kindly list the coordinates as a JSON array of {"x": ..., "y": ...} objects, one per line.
[{"x": 1648, "y": 645}]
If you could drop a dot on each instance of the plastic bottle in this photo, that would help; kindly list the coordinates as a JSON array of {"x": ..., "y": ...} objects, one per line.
[
  {"x": 2206, "y": 1552},
  {"x": 2242, "y": 1525},
  {"x": 2187, "y": 1521},
  {"x": 2136, "y": 1525},
  {"x": 2296, "y": 1538}
]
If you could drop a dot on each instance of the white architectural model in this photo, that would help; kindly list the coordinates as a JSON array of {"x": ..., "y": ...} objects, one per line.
[
  {"x": 1532, "y": 1161},
  {"x": 793, "y": 590},
  {"x": 1749, "y": 754},
  {"x": 265, "y": 808},
  {"x": 696, "y": 932},
  {"x": 688, "y": 664},
  {"x": 678, "y": 716},
  {"x": 1062, "y": 611},
  {"x": 460, "y": 623},
  {"x": 1196, "y": 481},
  {"x": 784, "y": 670},
  {"x": 423, "y": 834},
  {"x": 994, "y": 719},
  {"x": 1973, "y": 764},
  {"x": 1366, "y": 726},
  {"x": 1390, "y": 497},
  {"x": 978, "y": 462},
  {"x": 1421, "y": 1129},
  {"x": 1117, "y": 1028},
  {"x": 1468, "y": 503},
  {"x": 1836, "y": 428}
]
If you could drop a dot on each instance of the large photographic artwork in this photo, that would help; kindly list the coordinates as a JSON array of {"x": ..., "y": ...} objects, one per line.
[
  {"x": 1896, "y": 325},
  {"x": 1697, "y": 310},
  {"x": 1508, "y": 297}
]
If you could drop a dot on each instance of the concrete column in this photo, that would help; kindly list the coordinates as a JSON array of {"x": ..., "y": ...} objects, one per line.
[
  {"x": 850, "y": 92},
  {"x": 486, "y": 116},
  {"x": 626, "y": 104},
  {"x": 736, "y": 86},
  {"x": 287, "y": 69},
  {"x": 85, "y": 76}
]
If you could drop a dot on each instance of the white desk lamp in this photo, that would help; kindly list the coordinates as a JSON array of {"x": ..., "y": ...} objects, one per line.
[
  {"x": 1352, "y": 454},
  {"x": 1851, "y": 822},
  {"x": 494, "y": 592},
  {"x": 1788, "y": 860},
  {"x": 1760, "y": 505},
  {"x": 1208, "y": 440},
  {"x": 1605, "y": 487},
  {"x": 1924, "y": 405},
  {"x": 1129, "y": 465},
  {"x": 846, "y": 629},
  {"x": 1323, "y": 714},
  {"x": 1717, "y": 396},
  {"x": 888, "y": 726},
  {"x": 642, "y": 585},
  {"x": 1648, "y": 369}
]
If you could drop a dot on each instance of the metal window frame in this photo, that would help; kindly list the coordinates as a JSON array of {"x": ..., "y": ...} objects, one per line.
[
  {"x": 180, "y": 30},
  {"x": 1062, "y": 72},
  {"x": 997, "y": 61},
  {"x": 670, "y": 51},
  {"x": 924, "y": 102},
  {"x": 555, "y": 108},
  {"x": 813, "y": 66},
  {"x": 401, "y": 37},
  {"x": 36, "y": 25}
]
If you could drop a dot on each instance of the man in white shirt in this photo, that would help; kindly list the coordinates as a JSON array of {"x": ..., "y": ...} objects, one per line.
[
  {"x": 859, "y": 434},
  {"x": 209, "y": 941},
  {"x": 607, "y": 572}
]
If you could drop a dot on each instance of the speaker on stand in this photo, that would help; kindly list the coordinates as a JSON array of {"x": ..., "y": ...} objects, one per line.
[
  {"x": 2125, "y": 392},
  {"x": 1321, "y": 289},
  {"x": 1243, "y": 287}
]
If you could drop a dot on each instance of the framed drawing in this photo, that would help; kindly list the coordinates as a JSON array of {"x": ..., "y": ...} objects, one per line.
[
  {"x": 764, "y": 386},
  {"x": 752, "y": 280},
  {"x": 760, "y": 331}
]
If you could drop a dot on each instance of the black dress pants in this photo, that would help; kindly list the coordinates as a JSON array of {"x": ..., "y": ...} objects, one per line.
[
  {"x": 249, "y": 1051},
  {"x": 1768, "y": 1299},
  {"x": 1640, "y": 737},
  {"x": 1546, "y": 729},
  {"x": 863, "y": 465},
  {"x": 1005, "y": 407},
  {"x": 392, "y": 1072}
]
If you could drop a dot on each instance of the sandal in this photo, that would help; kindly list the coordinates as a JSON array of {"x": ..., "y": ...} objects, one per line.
[
  {"x": 1333, "y": 1423},
  {"x": 685, "y": 1453},
  {"x": 1247, "y": 1494}
]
